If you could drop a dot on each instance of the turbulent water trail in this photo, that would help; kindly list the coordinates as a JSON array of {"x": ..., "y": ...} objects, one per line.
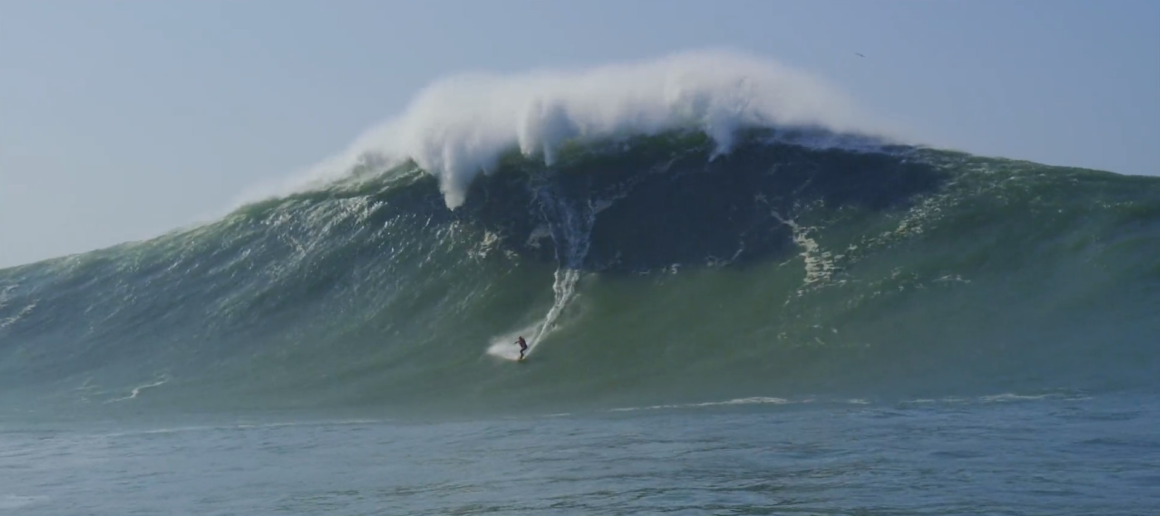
[
  {"x": 571, "y": 230},
  {"x": 819, "y": 265},
  {"x": 569, "y": 224},
  {"x": 137, "y": 390}
]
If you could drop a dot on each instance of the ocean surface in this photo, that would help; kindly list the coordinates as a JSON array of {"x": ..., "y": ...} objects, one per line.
[
  {"x": 1058, "y": 454},
  {"x": 724, "y": 317}
]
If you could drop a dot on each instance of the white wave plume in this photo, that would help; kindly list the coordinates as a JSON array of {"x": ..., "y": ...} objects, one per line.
[{"x": 458, "y": 127}]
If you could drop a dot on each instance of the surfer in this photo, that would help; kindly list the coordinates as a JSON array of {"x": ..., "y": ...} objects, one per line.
[{"x": 523, "y": 346}]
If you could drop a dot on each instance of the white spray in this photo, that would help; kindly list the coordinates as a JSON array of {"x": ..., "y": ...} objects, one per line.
[{"x": 457, "y": 128}]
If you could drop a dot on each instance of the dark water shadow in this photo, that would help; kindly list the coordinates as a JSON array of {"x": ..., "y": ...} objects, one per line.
[{"x": 659, "y": 207}]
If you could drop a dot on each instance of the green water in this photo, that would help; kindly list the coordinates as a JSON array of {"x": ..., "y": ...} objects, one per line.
[{"x": 654, "y": 273}]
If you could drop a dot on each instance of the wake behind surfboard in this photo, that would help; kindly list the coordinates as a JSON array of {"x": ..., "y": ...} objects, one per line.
[{"x": 504, "y": 347}]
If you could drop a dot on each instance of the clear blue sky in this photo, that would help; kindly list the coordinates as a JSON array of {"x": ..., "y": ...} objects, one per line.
[{"x": 122, "y": 120}]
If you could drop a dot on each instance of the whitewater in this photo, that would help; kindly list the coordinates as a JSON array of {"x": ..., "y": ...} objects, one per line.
[
  {"x": 742, "y": 293},
  {"x": 459, "y": 127}
]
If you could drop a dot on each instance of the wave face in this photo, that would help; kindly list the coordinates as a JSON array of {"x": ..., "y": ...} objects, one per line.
[{"x": 644, "y": 271}]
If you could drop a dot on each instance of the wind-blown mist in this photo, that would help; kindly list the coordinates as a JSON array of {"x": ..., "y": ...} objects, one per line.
[{"x": 459, "y": 127}]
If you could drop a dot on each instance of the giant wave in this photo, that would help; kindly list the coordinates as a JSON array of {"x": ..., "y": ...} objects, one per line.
[{"x": 663, "y": 233}]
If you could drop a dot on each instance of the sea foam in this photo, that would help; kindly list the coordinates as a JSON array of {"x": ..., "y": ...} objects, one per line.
[{"x": 458, "y": 127}]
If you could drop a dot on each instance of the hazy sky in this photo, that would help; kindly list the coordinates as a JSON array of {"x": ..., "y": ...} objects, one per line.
[{"x": 122, "y": 120}]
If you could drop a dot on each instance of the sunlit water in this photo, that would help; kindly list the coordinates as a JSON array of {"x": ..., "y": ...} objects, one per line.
[{"x": 1059, "y": 454}]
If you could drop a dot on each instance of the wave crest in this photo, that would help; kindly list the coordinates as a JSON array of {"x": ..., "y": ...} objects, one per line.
[{"x": 457, "y": 128}]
